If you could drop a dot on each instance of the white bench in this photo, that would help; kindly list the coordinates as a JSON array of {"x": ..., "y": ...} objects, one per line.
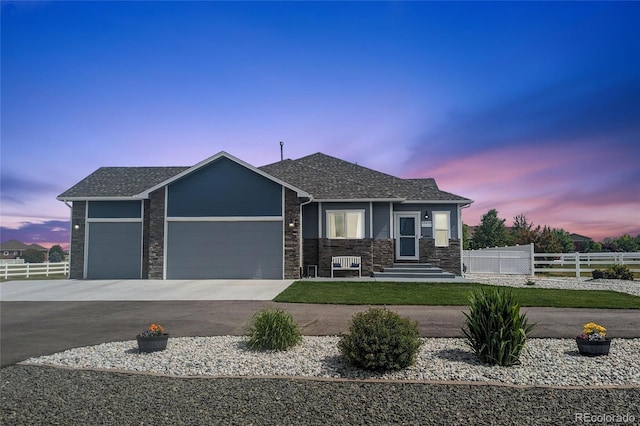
[{"x": 346, "y": 263}]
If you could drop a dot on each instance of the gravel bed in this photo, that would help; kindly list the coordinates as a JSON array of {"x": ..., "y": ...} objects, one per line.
[
  {"x": 543, "y": 362},
  {"x": 569, "y": 283},
  {"x": 34, "y": 395}
]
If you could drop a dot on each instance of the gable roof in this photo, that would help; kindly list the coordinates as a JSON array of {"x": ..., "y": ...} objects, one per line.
[
  {"x": 18, "y": 245},
  {"x": 126, "y": 183},
  {"x": 317, "y": 176},
  {"x": 329, "y": 178}
]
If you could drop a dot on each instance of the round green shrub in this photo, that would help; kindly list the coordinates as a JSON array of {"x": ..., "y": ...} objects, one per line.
[
  {"x": 618, "y": 272},
  {"x": 380, "y": 340},
  {"x": 494, "y": 328},
  {"x": 273, "y": 329}
]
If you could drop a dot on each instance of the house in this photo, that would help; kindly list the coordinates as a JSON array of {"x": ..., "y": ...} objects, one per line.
[
  {"x": 580, "y": 242},
  {"x": 14, "y": 249},
  {"x": 224, "y": 218}
]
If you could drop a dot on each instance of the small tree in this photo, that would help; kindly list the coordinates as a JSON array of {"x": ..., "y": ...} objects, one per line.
[
  {"x": 56, "y": 254},
  {"x": 626, "y": 243},
  {"x": 491, "y": 231},
  {"x": 547, "y": 242},
  {"x": 33, "y": 256},
  {"x": 564, "y": 240},
  {"x": 522, "y": 231}
]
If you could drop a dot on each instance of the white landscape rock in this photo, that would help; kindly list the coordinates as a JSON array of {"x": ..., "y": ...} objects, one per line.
[{"x": 553, "y": 362}]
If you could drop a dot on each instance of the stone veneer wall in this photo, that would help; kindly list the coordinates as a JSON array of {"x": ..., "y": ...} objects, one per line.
[
  {"x": 445, "y": 258},
  {"x": 375, "y": 254},
  {"x": 153, "y": 240},
  {"x": 309, "y": 253},
  {"x": 76, "y": 258},
  {"x": 292, "y": 235}
]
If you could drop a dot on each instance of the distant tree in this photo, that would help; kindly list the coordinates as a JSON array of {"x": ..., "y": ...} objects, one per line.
[
  {"x": 33, "y": 256},
  {"x": 564, "y": 239},
  {"x": 590, "y": 246},
  {"x": 547, "y": 242},
  {"x": 626, "y": 243},
  {"x": 491, "y": 232},
  {"x": 465, "y": 237},
  {"x": 609, "y": 244},
  {"x": 522, "y": 231},
  {"x": 56, "y": 254}
]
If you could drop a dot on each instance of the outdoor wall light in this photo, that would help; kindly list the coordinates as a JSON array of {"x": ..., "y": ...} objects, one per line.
[
  {"x": 426, "y": 215},
  {"x": 291, "y": 224},
  {"x": 76, "y": 226}
]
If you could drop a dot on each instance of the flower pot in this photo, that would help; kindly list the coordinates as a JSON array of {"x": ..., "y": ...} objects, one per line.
[
  {"x": 152, "y": 343},
  {"x": 593, "y": 347}
]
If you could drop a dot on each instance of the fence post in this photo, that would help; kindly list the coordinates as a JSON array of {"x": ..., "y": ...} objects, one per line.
[
  {"x": 532, "y": 256},
  {"x": 46, "y": 274},
  {"x": 577, "y": 265}
]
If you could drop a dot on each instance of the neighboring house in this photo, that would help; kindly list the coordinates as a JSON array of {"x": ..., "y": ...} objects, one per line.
[
  {"x": 580, "y": 242},
  {"x": 14, "y": 249},
  {"x": 224, "y": 218}
]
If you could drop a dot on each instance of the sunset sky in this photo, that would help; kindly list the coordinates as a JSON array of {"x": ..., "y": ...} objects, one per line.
[{"x": 524, "y": 107}]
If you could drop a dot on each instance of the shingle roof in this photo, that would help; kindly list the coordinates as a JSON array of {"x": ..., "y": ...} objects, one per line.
[
  {"x": 322, "y": 176},
  {"x": 18, "y": 245},
  {"x": 330, "y": 178},
  {"x": 120, "y": 181}
]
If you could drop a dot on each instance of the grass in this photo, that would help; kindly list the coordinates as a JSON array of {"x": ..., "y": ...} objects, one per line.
[
  {"x": 36, "y": 278},
  {"x": 452, "y": 294}
]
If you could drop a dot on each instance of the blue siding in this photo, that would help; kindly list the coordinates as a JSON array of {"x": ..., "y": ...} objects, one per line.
[
  {"x": 115, "y": 209},
  {"x": 224, "y": 188},
  {"x": 381, "y": 229},
  {"x": 310, "y": 220}
]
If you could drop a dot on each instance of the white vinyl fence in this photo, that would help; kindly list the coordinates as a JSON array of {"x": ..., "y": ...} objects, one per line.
[
  {"x": 579, "y": 263},
  {"x": 522, "y": 260},
  {"x": 511, "y": 260},
  {"x": 28, "y": 270}
]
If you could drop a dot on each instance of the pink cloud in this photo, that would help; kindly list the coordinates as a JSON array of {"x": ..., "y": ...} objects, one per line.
[{"x": 569, "y": 186}]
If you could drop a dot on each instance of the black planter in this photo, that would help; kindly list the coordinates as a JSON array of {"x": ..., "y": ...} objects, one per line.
[
  {"x": 152, "y": 343},
  {"x": 593, "y": 347},
  {"x": 596, "y": 274}
]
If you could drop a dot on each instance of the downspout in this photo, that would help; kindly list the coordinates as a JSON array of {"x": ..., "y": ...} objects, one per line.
[{"x": 301, "y": 266}]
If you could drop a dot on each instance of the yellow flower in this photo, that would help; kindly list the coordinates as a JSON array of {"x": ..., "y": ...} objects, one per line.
[{"x": 591, "y": 328}]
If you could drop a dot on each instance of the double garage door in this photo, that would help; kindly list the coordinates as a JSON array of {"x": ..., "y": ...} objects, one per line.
[
  {"x": 195, "y": 250},
  {"x": 224, "y": 250}
]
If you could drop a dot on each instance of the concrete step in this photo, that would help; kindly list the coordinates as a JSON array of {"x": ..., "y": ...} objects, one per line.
[
  {"x": 414, "y": 275},
  {"x": 412, "y": 265}
]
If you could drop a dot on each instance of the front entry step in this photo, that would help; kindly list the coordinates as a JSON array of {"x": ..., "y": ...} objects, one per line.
[{"x": 413, "y": 270}]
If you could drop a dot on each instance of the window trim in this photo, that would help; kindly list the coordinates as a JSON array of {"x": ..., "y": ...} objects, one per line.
[
  {"x": 362, "y": 213},
  {"x": 435, "y": 229}
]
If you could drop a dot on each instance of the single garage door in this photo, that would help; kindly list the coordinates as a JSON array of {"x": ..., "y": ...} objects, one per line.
[
  {"x": 224, "y": 250},
  {"x": 114, "y": 250}
]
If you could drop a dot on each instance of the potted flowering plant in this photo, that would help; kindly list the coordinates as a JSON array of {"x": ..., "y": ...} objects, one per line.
[
  {"x": 593, "y": 340},
  {"x": 152, "y": 339}
]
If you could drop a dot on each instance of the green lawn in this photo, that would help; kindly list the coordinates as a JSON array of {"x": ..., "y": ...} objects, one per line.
[{"x": 411, "y": 293}]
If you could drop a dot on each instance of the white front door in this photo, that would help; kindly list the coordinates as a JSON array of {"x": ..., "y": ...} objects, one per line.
[{"x": 407, "y": 235}]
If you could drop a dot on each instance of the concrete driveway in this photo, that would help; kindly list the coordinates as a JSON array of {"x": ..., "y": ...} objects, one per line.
[{"x": 139, "y": 290}]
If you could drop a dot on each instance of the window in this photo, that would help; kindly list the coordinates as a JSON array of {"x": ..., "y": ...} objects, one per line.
[
  {"x": 345, "y": 224},
  {"x": 441, "y": 231}
]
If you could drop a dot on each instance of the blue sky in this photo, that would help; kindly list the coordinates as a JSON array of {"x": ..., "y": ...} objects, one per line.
[{"x": 528, "y": 108}]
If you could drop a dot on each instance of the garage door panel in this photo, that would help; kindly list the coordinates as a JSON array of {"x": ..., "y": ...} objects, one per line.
[
  {"x": 224, "y": 250},
  {"x": 114, "y": 250}
]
